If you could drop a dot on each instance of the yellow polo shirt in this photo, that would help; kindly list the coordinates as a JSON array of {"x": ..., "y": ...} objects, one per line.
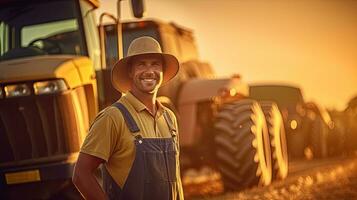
[{"x": 110, "y": 139}]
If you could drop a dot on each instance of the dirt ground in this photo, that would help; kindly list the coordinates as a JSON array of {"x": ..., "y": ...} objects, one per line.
[{"x": 332, "y": 179}]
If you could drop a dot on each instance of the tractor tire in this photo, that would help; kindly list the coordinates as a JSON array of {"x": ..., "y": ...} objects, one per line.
[
  {"x": 242, "y": 145},
  {"x": 277, "y": 136},
  {"x": 319, "y": 134}
]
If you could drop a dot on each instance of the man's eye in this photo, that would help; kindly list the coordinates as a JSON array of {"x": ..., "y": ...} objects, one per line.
[
  {"x": 141, "y": 65},
  {"x": 156, "y": 64}
]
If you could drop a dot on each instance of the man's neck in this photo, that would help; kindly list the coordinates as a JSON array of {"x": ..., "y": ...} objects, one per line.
[{"x": 149, "y": 100}]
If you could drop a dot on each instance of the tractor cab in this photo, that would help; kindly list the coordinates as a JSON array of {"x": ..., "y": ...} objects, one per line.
[{"x": 60, "y": 27}]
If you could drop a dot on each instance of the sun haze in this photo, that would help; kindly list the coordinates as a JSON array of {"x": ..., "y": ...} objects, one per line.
[{"x": 311, "y": 44}]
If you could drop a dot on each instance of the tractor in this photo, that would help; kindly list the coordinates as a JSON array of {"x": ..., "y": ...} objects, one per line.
[{"x": 309, "y": 127}]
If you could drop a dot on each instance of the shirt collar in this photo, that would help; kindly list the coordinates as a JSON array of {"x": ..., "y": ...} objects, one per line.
[{"x": 139, "y": 106}]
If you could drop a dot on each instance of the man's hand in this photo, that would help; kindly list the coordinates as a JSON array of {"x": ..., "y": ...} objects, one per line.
[{"x": 84, "y": 179}]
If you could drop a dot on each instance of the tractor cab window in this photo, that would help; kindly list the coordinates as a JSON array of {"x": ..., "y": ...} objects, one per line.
[
  {"x": 3, "y": 38},
  {"x": 128, "y": 36},
  {"x": 40, "y": 28},
  {"x": 58, "y": 37}
]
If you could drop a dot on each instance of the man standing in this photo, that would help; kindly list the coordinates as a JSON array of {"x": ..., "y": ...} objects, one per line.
[{"x": 136, "y": 138}]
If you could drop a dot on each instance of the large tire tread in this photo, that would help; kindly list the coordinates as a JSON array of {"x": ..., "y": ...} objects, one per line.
[
  {"x": 278, "y": 139},
  {"x": 236, "y": 135}
]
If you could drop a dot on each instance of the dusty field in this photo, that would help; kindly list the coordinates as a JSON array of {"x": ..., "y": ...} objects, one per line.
[{"x": 332, "y": 179}]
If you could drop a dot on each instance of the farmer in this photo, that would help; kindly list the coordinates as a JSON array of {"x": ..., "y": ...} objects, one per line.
[{"x": 136, "y": 138}]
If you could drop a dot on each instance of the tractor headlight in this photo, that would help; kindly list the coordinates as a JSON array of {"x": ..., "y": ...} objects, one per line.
[
  {"x": 293, "y": 124},
  {"x": 17, "y": 90},
  {"x": 49, "y": 87}
]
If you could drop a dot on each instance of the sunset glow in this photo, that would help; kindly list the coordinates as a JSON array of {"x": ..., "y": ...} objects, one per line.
[{"x": 311, "y": 44}]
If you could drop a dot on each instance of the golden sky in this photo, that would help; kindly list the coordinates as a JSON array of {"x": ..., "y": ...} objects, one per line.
[{"x": 308, "y": 43}]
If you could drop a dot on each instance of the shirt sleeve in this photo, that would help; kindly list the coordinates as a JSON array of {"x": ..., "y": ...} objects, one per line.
[{"x": 101, "y": 139}]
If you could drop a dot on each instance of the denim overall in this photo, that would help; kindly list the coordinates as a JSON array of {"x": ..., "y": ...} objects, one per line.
[{"x": 153, "y": 173}]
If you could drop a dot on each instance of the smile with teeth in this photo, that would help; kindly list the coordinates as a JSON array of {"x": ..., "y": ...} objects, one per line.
[{"x": 148, "y": 80}]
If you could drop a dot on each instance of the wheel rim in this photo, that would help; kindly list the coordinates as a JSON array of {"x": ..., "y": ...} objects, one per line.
[
  {"x": 263, "y": 148},
  {"x": 282, "y": 156}
]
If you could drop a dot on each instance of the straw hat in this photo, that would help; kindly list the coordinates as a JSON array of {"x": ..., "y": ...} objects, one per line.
[{"x": 140, "y": 46}]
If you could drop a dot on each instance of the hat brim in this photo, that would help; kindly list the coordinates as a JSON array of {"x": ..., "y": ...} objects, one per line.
[{"x": 120, "y": 72}]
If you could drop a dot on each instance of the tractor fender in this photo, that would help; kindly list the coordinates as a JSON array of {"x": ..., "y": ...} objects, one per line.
[{"x": 199, "y": 90}]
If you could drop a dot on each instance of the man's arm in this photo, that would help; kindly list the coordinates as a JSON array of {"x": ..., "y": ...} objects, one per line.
[{"x": 84, "y": 179}]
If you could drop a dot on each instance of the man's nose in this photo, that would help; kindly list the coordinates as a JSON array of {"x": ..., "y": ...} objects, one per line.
[
  {"x": 150, "y": 68},
  {"x": 149, "y": 72}
]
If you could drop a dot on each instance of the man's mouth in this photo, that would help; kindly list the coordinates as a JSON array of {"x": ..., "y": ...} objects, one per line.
[{"x": 148, "y": 80}]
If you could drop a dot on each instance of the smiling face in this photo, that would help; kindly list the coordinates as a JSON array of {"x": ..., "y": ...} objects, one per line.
[{"x": 146, "y": 73}]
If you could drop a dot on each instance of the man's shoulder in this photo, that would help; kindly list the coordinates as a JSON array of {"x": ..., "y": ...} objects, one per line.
[
  {"x": 110, "y": 112},
  {"x": 170, "y": 112}
]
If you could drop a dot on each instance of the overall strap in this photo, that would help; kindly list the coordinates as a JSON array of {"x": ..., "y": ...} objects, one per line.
[
  {"x": 129, "y": 120},
  {"x": 170, "y": 124}
]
